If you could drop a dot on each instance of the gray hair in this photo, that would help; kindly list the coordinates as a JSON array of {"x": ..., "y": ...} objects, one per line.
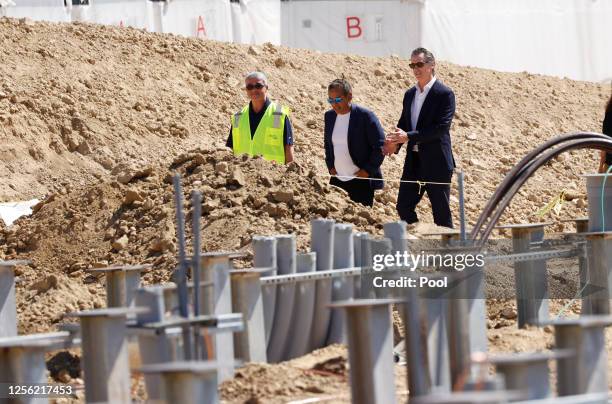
[
  {"x": 342, "y": 85},
  {"x": 258, "y": 76},
  {"x": 428, "y": 56}
]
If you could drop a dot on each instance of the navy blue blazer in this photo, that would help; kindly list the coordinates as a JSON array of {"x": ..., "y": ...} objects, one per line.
[
  {"x": 432, "y": 133},
  {"x": 366, "y": 138}
]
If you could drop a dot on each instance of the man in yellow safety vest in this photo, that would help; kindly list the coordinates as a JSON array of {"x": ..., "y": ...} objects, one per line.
[{"x": 261, "y": 128}]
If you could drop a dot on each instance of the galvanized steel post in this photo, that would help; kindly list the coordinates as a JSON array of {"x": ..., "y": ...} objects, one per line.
[
  {"x": 530, "y": 276},
  {"x": 250, "y": 344},
  {"x": 303, "y": 309},
  {"x": 370, "y": 346},
  {"x": 22, "y": 361},
  {"x": 343, "y": 288},
  {"x": 193, "y": 382},
  {"x": 586, "y": 371},
  {"x": 599, "y": 247},
  {"x": 216, "y": 269},
  {"x": 105, "y": 355},
  {"x": 122, "y": 281},
  {"x": 322, "y": 242},
  {"x": 527, "y": 372},
  {"x": 8, "y": 308},
  {"x": 264, "y": 256}
]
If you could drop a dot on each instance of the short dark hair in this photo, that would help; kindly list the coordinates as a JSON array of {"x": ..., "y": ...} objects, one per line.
[
  {"x": 609, "y": 106},
  {"x": 340, "y": 84},
  {"x": 429, "y": 57}
]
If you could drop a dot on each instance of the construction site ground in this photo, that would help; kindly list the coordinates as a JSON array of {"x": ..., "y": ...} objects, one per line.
[{"x": 94, "y": 120}]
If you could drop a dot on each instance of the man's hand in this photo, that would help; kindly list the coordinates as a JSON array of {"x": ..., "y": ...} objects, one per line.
[
  {"x": 398, "y": 136},
  {"x": 362, "y": 174},
  {"x": 389, "y": 148},
  {"x": 333, "y": 171}
]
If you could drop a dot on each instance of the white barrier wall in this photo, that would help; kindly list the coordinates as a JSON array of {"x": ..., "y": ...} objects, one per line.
[
  {"x": 125, "y": 13},
  {"x": 369, "y": 27},
  {"x": 39, "y": 10},
  {"x": 570, "y": 38},
  {"x": 257, "y": 21},
  {"x": 209, "y": 19}
]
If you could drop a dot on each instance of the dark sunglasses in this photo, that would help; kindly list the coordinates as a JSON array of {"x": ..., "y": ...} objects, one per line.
[
  {"x": 417, "y": 64},
  {"x": 334, "y": 100},
  {"x": 258, "y": 86}
]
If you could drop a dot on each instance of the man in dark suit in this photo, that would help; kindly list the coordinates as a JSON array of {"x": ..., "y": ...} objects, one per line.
[
  {"x": 428, "y": 110},
  {"x": 353, "y": 139}
]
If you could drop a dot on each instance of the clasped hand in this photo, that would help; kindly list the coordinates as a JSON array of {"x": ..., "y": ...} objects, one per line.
[{"x": 393, "y": 139}]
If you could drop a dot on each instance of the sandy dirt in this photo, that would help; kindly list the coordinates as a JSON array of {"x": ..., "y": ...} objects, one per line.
[{"x": 94, "y": 120}]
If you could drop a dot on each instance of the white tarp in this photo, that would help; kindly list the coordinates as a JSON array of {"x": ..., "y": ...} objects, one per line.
[
  {"x": 39, "y": 10},
  {"x": 210, "y": 19},
  {"x": 569, "y": 38},
  {"x": 126, "y": 13},
  {"x": 257, "y": 21},
  {"x": 11, "y": 211},
  {"x": 369, "y": 27}
]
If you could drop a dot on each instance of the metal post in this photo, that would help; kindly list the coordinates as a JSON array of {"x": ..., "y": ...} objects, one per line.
[
  {"x": 415, "y": 343},
  {"x": 599, "y": 247},
  {"x": 530, "y": 276},
  {"x": 105, "y": 355},
  {"x": 216, "y": 269},
  {"x": 377, "y": 247},
  {"x": 155, "y": 347},
  {"x": 458, "y": 332},
  {"x": 22, "y": 361},
  {"x": 285, "y": 297},
  {"x": 582, "y": 225},
  {"x": 460, "y": 178},
  {"x": 370, "y": 346},
  {"x": 188, "y": 382},
  {"x": 303, "y": 309},
  {"x": 264, "y": 256},
  {"x": 249, "y": 345},
  {"x": 122, "y": 281},
  {"x": 363, "y": 259},
  {"x": 436, "y": 310},
  {"x": 196, "y": 202},
  {"x": 321, "y": 242},
  {"x": 343, "y": 288},
  {"x": 8, "y": 308},
  {"x": 587, "y": 371},
  {"x": 527, "y": 372},
  {"x": 396, "y": 232}
]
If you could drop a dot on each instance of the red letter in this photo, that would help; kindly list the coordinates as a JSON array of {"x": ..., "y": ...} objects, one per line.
[
  {"x": 353, "y": 29},
  {"x": 200, "y": 28}
]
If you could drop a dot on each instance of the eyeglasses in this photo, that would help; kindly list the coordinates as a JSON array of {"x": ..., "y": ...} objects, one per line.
[
  {"x": 334, "y": 100},
  {"x": 417, "y": 64},
  {"x": 258, "y": 86}
]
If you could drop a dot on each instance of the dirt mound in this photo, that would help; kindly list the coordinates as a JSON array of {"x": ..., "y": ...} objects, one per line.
[
  {"x": 79, "y": 100},
  {"x": 131, "y": 220}
]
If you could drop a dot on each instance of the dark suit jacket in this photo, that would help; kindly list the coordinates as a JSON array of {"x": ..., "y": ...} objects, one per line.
[
  {"x": 432, "y": 133},
  {"x": 365, "y": 141},
  {"x": 607, "y": 130}
]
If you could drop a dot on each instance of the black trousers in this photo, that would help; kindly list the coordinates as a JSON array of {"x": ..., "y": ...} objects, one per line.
[
  {"x": 410, "y": 194},
  {"x": 359, "y": 190}
]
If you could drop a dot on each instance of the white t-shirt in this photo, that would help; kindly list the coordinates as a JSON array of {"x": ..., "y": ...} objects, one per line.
[{"x": 342, "y": 159}]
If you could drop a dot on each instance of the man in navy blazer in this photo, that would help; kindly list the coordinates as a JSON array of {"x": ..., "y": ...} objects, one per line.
[
  {"x": 428, "y": 110},
  {"x": 353, "y": 139}
]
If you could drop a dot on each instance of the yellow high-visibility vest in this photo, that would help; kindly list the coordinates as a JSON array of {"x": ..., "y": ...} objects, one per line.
[{"x": 268, "y": 140}]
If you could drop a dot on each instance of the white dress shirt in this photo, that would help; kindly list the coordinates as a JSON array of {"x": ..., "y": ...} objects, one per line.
[{"x": 417, "y": 104}]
